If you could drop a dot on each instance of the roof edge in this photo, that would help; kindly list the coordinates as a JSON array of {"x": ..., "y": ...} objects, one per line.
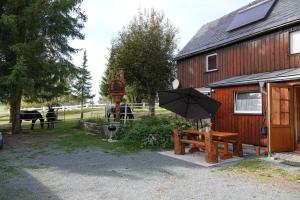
[
  {"x": 240, "y": 80},
  {"x": 187, "y": 55}
]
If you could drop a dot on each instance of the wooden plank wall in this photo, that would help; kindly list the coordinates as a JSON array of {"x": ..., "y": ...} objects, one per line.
[
  {"x": 266, "y": 53},
  {"x": 249, "y": 126}
]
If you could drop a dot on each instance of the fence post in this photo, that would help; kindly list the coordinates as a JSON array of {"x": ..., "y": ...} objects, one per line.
[
  {"x": 105, "y": 112},
  {"x": 125, "y": 118},
  {"x": 64, "y": 113},
  {"x": 43, "y": 111}
]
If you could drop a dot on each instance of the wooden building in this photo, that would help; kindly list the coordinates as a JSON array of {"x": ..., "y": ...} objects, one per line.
[{"x": 249, "y": 60}]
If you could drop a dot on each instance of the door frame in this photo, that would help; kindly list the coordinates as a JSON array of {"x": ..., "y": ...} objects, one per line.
[
  {"x": 297, "y": 114},
  {"x": 292, "y": 113}
]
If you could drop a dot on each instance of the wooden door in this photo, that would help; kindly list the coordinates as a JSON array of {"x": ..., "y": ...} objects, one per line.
[
  {"x": 280, "y": 113},
  {"x": 297, "y": 114}
]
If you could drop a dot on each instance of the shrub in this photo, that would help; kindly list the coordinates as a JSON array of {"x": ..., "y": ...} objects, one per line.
[
  {"x": 182, "y": 124},
  {"x": 151, "y": 132}
]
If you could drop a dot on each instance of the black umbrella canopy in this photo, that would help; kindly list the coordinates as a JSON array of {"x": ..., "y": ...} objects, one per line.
[{"x": 188, "y": 103}]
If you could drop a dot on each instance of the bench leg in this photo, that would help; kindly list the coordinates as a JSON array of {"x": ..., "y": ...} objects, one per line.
[
  {"x": 194, "y": 148},
  {"x": 238, "y": 149},
  {"x": 211, "y": 149},
  {"x": 226, "y": 153},
  {"x": 178, "y": 146}
]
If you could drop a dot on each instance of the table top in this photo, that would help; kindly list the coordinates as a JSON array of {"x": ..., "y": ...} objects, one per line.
[{"x": 214, "y": 133}]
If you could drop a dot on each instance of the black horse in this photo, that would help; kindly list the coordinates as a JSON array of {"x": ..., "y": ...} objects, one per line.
[
  {"x": 112, "y": 110},
  {"x": 51, "y": 118},
  {"x": 31, "y": 115}
]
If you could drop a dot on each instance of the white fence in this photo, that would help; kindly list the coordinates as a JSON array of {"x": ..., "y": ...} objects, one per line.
[{"x": 95, "y": 111}]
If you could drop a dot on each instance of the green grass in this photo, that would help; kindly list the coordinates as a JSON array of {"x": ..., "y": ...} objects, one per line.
[
  {"x": 79, "y": 139},
  {"x": 262, "y": 170},
  {"x": 69, "y": 137},
  {"x": 72, "y": 138},
  {"x": 9, "y": 170},
  {"x": 37, "y": 166}
]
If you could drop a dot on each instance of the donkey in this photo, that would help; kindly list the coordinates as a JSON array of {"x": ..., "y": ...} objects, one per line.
[
  {"x": 32, "y": 115},
  {"x": 51, "y": 117}
]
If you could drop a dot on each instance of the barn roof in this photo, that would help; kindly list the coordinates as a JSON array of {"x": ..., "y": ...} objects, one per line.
[
  {"x": 275, "y": 76},
  {"x": 216, "y": 34}
]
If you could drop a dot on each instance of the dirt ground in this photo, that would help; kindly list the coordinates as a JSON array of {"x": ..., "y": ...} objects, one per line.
[{"x": 32, "y": 167}]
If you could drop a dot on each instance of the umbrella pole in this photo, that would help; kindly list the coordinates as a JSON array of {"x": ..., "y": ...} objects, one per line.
[{"x": 198, "y": 124}]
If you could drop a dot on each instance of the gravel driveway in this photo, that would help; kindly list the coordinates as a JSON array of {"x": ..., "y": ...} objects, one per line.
[{"x": 95, "y": 174}]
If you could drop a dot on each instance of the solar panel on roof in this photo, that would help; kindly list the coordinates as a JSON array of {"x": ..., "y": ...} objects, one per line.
[{"x": 251, "y": 14}]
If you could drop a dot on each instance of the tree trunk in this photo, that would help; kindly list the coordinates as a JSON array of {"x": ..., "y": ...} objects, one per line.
[
  {"x": 15, "y": 106},
  {"x": 152, "y": 105},
  {"x": 81, "y": 110}
]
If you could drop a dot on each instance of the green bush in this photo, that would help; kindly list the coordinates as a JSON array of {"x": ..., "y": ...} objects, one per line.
[
  {"x": 182, "y": 124},
  {"x": 151, "y": 132},
  {"x": 124, "y": 130}
]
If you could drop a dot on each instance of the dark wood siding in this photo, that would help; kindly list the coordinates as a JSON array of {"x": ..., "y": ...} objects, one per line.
[
  {"x": 249, "y": 126},
  {"x": 266, "y": 53}
]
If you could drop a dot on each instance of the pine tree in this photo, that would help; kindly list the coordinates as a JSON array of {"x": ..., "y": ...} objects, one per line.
[
  {"x": 83, "y": 85},
  {"x": 34, "y": 50}
]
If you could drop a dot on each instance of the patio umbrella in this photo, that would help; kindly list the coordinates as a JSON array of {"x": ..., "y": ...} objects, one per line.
[{"x": 188, "y": 103}]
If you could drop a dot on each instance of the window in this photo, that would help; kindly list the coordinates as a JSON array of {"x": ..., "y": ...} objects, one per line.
[
  {"x": 211, "y": 62},
  {"x": 295, "y": 42},
  {"x": 248, "y": 103}
]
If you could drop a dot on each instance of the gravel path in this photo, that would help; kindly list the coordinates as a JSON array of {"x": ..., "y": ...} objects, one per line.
[{"x": 94, "y": 174}]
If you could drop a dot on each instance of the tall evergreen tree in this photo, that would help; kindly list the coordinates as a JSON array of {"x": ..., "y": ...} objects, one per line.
[
  {"x": 83, "y": 85},
  {"x": 34, "y": 50}
]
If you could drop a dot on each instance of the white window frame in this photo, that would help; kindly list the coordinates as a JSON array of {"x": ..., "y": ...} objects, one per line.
[
  {"x": 206, "y": 62},
  {"x": 292, "y": 42},
  {"x": 247, "y": 111}
]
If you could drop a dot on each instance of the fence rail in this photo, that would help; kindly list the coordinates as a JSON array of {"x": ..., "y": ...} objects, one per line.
[{"x": 94, "y": 111}]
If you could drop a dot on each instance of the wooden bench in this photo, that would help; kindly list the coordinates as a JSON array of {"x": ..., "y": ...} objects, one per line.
[
  {"x": 210, "y": 147},
  {"x": 196, "y": 144},
  {"x": 179, "y": 148}
]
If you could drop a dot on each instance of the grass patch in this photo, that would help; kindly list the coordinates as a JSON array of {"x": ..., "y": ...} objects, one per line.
[
  {"x": 3, "y": 161},
  {"x": 297, "y": 176},
  {"x": 76, "y": 138},
  {"x": 37, "y": 153},
  {"x": 150, "y": 134},
  {"x": 262, "y": 170},
  {"x": 9, "y": 170},
  {"x": 37, "y": 166}
]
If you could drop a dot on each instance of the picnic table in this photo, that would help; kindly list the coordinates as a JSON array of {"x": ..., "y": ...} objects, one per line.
[{"x": 209, "y": 142}]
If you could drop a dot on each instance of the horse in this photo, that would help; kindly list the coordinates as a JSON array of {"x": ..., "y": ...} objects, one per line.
[
  {"x": 112, "y": 110},
  {"x": 51, "y": 118},
  {"x": 32, "y": 115}
]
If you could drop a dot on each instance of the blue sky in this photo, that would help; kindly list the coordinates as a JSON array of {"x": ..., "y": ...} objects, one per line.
[{"x": 107, "y": 17}]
